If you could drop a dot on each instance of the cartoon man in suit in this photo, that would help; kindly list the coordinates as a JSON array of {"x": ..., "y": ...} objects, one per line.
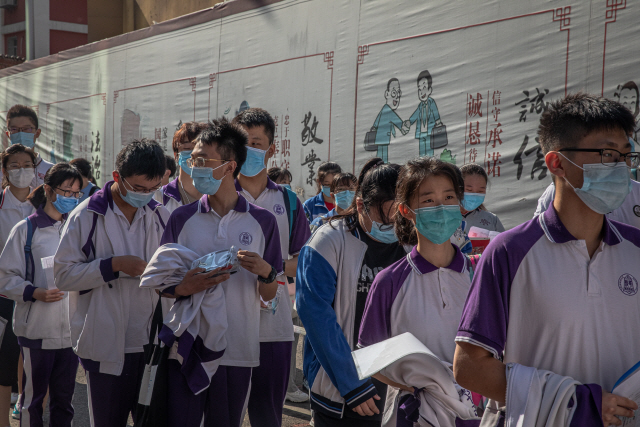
[
  {"x": 426, "y": 114},
  {"x": 387, "y": 119}
]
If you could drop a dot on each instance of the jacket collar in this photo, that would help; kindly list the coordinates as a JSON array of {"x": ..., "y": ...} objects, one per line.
[
  {"x": 41, "y": 220},
  {"x": 171, "y": 190},
  {"x": 102, "y": 200}
]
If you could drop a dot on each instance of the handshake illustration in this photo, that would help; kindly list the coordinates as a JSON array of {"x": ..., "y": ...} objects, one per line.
[{"x": 406, "y": 125}]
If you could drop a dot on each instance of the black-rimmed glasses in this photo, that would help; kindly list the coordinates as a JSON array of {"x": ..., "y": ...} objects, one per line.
[{"x": 611, "y": 157}]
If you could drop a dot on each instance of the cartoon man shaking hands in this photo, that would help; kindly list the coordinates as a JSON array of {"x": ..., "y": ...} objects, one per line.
[
  {"x": 388, "y": 118},
  {"x": 426, "y": 114}
]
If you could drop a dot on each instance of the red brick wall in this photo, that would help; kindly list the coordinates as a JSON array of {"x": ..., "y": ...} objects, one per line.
[
  {"x": 63, "y": 40},
  {"x": 74, "y": 11},
  {"x": 14, "y": 14}
]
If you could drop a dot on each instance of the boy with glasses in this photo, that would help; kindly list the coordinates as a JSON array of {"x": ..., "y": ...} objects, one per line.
[
  {"x": 104, "y": 248},
  {"x": 220, "y": 219},
  {"x": 559, "y": 292},
  {"x": 181, "y": 191},
  {"x": 22, "y": 128}
]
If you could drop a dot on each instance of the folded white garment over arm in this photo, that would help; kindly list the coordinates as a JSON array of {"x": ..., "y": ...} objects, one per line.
[
  {"x": 439, "y": 401},
  {"x": 537, "y": 398},
  {"x": 197, "y": 322}
]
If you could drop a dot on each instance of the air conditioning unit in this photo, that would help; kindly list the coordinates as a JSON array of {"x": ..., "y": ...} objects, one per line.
[{"x": 8, "y": 3}]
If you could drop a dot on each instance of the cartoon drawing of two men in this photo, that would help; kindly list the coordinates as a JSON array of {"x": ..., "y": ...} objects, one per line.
[{"x": 426, "y": 115}]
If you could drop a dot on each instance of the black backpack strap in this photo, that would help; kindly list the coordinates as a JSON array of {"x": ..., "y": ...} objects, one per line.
[{"x": 93, "y": 190}]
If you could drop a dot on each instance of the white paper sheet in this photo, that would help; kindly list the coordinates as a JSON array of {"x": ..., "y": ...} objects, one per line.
[
  {"x": 47, "y": 267},
  {"x": 630, "y": 388},
  {"x": 372, "y": 359}
]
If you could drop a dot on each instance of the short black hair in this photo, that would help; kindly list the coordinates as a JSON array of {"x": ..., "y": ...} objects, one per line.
[
  {"x": 391, "y": 80},
  {"x": 141, "y": 157},
  {"x": 19, "y": 110},
  {"x": 253, "y": 117},
  {"x": 326, "y": 168},
  {"x": 230, "y": 140},
  {"x": 83, "y": 166},
  {"x": 5, "y": 156},
  {"x": 344, "y": 179},
  {"x": 568, "y": 120},
  {"x": 275, "y": 173},
  {"x": 171, "y": 165},
  {"x": 424, "y": 75}
]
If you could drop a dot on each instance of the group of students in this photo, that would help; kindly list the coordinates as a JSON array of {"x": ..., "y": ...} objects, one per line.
[{"x": 370, "y": 257}]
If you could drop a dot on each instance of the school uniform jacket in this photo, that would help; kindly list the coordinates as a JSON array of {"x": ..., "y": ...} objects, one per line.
[
  {"x": 12, "y": 211},
  {"x": 328, "y": 269},
  {"x": 169, "y": 196},
  {"x": 315, "y": 206},
  {"x": 99, "y": 313},
  {"x": 37, "y": 324}
]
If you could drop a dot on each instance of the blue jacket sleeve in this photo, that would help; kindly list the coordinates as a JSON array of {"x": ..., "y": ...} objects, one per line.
[{"x": 315, "y": 293}]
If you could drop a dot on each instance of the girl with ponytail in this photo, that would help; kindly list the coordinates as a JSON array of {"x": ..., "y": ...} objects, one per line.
[
  {"x": 41, "y": 316},
  {"x": 425, "y": 291},
  {"x": 335, "y": 271}
]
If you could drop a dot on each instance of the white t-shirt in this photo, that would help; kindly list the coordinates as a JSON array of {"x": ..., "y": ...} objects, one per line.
[
  {"x": 279, "y": 326},
  {"x": 541, "y": 300},
  {"x": 248, "y": 227}
]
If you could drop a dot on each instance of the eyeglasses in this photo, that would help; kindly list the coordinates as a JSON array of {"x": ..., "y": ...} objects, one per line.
[
  {"x": 69, "y": 193},
  {"x": 27, "y": 129},
  {"x": 13, "y": 166},
  {"x": 200, "y": 162},
  {"x": 144, "y": 190},
  {"x": 611, "y": 157}
]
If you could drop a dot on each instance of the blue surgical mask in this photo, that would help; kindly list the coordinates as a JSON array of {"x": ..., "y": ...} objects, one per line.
[
  {"x": 344, "y": 198},
  {"x": 604, "y": 188},
  {"x": 472, "y": 201},
  {"x": 382, "y": 233},
  {"x": 438, "y": 223},
  {"x": 287, "y": 186},
  {"x": 254, "y": 163},
  {"x": 182, "y": 161},
  {"x": 135, "y": 199},
  {"x": 326, "y": 190},
  {"x": 204, "y": 181},
  {"x": 24, "y": 138},
  {"x": 65, "y": 204}
]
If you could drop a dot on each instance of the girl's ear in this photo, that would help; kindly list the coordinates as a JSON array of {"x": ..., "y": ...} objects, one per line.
[{"x": 405, "y": 211}]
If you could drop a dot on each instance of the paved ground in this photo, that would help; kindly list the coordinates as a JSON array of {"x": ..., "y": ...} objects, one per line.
[{"x": 295, "y": 415}]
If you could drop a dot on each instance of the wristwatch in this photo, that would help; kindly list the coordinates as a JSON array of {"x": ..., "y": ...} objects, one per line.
[{"x": 270, "y": 278}]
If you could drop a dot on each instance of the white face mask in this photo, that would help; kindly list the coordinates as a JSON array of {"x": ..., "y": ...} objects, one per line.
[{"x": 22, "y": 177}]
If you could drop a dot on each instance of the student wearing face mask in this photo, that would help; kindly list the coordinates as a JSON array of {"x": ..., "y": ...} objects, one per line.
[
  {"x": 269, "y": 381},
  {"x": 425, "y": 291},
  {"x": 18, "y": 167},
  {"x": 557, "y": 296},
  {"x": 335, "y": 271},
  {"x": 181, "y": 190},
  {"x": 280, "y": 176},
  {"x": 472, "y": 207},
  {"x": 88, "y": 187},
  {"x": 105, "y": 246},
  {"x": 41, "y": 317},
  {"x": 343, "y": 190},
  {"x": 22, "y": 128},
  {"x": 323, "y": 202}
]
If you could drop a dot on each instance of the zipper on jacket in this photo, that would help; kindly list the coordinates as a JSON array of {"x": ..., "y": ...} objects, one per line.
[{"x": 28, "y": 312}]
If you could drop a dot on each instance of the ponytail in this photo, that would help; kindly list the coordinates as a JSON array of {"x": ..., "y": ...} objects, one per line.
[{"x": 38, "y": 197}]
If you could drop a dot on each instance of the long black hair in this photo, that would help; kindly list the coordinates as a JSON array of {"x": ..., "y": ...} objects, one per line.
[
  {"x": 54, "y": 178},
  {"x": 376, "y": 186}
]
